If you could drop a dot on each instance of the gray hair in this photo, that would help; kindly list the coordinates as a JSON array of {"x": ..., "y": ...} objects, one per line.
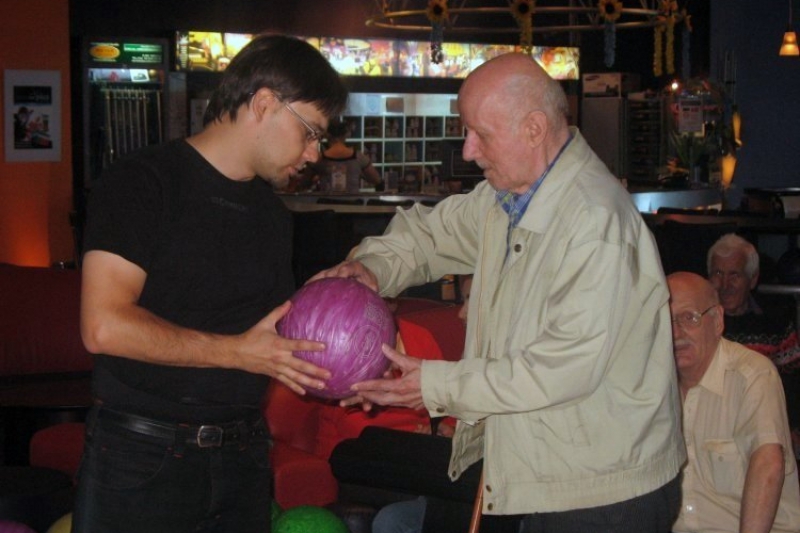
[
  {"x": 730, "y": 244},
  {"x": 544, "y": 92}
]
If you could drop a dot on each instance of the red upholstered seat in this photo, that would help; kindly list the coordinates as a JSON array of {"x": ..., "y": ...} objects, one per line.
[
  {"x": 405, "y": 305},
  {"x": 44, "y": 367},
  {"x": 39, "y": 322},
  {"x": 58, "y": 447},
  {"x": 434, "y": 333},
  {"x": 306, "y": 430}
]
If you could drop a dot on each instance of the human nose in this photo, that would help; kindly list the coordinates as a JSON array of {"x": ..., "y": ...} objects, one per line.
[
  {"x": 312, "y": 152},
  {"x": 678, "y": 330},
  {"x": 470, "y": 150}
]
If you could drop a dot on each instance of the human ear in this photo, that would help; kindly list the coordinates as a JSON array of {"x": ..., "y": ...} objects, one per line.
[
  {"x": 262, "y": 102},
  {"x": 535, "y": 127}
]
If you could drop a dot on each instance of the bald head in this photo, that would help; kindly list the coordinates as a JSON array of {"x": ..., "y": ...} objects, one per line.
[
  {"x": 697, "y": 325},
  {"x": 515, "y": 115},
  {"x": 521, "y": 84},
  {"x": 689, "y": 284}
]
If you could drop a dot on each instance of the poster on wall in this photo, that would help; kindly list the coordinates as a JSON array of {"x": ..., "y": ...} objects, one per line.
[{"x": 32, "y": 100}]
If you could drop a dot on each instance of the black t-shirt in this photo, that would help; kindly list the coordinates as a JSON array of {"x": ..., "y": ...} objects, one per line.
[{"x": 217, "y": 253}]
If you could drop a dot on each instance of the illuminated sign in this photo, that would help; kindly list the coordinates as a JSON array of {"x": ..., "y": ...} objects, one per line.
[
  {"x": 213, "y": 51},
  {"x": 126, "y": 53}
]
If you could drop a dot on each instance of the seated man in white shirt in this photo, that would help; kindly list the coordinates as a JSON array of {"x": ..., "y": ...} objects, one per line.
[{"x": 741, "y": 475}]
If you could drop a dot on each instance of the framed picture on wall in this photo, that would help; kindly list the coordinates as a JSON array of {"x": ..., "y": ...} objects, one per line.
[{"x": 32, "y": 103}]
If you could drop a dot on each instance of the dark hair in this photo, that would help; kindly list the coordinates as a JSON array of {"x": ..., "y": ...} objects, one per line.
[
  {"x": 292, "y": 68},
  {"x": 338, "y": 129}
]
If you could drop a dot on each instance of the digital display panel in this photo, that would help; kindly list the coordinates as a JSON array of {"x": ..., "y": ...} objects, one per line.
[{"x": 213, "y": 51}]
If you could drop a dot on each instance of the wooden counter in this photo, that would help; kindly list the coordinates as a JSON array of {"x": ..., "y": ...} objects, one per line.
[
  {"x": 647, "y": 201},
  {"x": 363, "y": 203}
]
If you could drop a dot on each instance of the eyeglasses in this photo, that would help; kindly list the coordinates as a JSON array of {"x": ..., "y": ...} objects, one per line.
[
  {"x": 690, "y": 319},
  {"x": 313, "y": 135}
]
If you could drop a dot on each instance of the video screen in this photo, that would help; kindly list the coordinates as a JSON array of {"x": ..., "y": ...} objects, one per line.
[{"x": 212, "y": 51}]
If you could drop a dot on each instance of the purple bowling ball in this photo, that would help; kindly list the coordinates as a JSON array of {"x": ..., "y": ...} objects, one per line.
[
  {"x": 352, "y": 320},
  {"x": 7, "y": 526}
]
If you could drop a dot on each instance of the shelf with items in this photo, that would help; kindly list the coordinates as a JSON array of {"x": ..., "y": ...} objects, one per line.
[
  {"x": 453, "y": 127},
  {"x": 374, "y": 150},
  {"x": 392, "y": 175},
  {"x": 354, "y": 127},
  {"x": 393, "y": 152},
  {"x": 434, "y": 127},
  {"x": 646, "y": 137},
  {"x": 433, "y": 151},
  {"x": 393, "y": 128},
  {"x": 373, "y": 127},
  {"x": 413, "y": 152},
  {"x": 406, "y": 147},
  {"x": 415, "y": 128}
]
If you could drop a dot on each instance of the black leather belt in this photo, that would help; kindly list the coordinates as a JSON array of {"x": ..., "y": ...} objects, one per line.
[{"x": 237, "y": 432}]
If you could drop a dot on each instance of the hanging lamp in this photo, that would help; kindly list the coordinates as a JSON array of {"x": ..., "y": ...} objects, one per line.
[{"x": 789, "y": 46}]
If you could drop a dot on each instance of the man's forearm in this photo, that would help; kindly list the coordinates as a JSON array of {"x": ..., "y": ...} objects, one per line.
[
  {"x": 762, "y": 489},
  {"x": 136, "y": 333}
]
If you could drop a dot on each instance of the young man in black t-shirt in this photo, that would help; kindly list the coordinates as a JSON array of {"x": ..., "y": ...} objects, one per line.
[{"x": 185, "y": 275}]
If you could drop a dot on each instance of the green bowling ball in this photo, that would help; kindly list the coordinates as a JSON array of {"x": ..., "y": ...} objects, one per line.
[
  {"x": 309, "y": 519},
  {"x": 276, "y": 513}
]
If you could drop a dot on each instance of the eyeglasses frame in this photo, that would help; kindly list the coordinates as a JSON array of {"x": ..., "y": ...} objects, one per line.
[
  {"x": 313, "y": 135},
  {"x": 694, "y": 322}
]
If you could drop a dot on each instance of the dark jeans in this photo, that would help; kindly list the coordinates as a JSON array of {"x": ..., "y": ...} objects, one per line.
[
  {"x": 135, "y": 483},
  {"x": 654, "y": 512}
]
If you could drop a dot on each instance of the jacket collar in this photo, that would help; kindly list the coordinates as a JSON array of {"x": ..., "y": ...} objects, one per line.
[{"x": 545, "y": 205}]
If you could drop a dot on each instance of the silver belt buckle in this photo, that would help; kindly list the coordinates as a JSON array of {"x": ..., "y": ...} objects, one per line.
[{"x": 210, "y": 436}]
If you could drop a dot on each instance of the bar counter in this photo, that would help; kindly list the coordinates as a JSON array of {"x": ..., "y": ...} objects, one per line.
[
  {"x": 647, "y": 201},
  {"x": 362, "y": 203}
]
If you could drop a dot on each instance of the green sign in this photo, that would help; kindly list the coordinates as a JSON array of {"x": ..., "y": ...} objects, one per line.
[{"x": 126, "y": 53}]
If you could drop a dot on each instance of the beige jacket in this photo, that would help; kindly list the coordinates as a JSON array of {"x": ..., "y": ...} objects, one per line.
[{"x": 567, "y": 386}]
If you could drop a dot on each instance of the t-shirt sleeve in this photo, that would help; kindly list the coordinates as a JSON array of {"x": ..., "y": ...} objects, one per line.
[{"x": 125, "y": 212}]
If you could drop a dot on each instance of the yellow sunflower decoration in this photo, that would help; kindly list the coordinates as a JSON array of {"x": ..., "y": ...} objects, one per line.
[
  {"x": 610, "y": 11},
  {"x": 522, "y": 10},
  {"x": 670, "y": 46},
  {"x": 658, "y": 35},
  {"x": 437, "y": 11},
  {"x": 437, "y": 15},
  {"x": 666, "y": 17}
]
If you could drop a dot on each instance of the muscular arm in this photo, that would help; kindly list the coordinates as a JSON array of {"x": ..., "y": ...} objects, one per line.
[
  {"x": 113, "y": 323},
  {"x": 762, "y": 489}
]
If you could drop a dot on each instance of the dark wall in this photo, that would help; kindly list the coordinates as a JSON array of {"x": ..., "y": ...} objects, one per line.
[{"x": 767, "y": 89}]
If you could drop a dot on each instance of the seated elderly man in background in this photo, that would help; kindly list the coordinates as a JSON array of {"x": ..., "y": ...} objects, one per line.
[
  {"x": 733, "y": 269},
  {"x": 766, "y": 327},
  {"x": 740, "y": 475}
]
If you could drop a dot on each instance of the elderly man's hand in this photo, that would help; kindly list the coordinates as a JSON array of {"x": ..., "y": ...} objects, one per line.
[
  {"x": 350, "y": 269},
  {"x": 403, "y": 391}
]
